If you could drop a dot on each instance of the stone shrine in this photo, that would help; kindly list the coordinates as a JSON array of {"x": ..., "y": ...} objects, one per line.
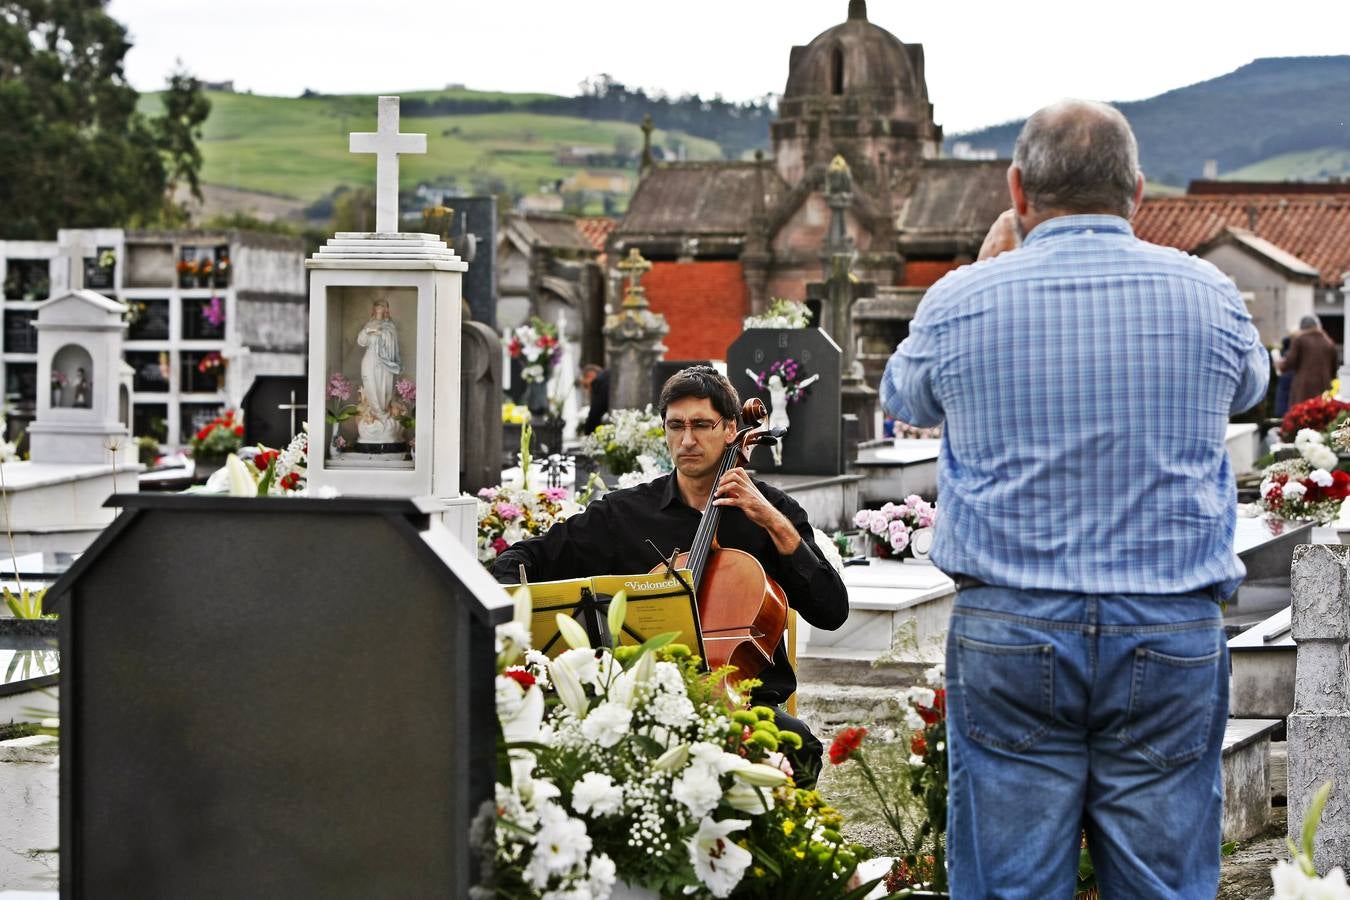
[{"x": 384, "y": 342}]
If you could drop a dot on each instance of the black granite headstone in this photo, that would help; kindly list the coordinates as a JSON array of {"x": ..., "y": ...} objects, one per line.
[
  {"x": 274, "y": 409},
  {"x": 475, "y": 229},
  {"x": 480, "y": 407},
  {"x": 813, "y": 445},
  {"x": 274, "y": 698},
  {"x": 663, "y": 369}
]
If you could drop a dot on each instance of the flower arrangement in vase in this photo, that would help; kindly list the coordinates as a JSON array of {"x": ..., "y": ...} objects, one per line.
[
  {"x": 782, "y": 313},
  {"x": 890, "y": 530},
  {"x": 640, "y": 768},
  {"x": 213, "y": 364},
  {"x": 536, "y": 345},
  {"x": 1307, "y": 486},
  {"x": 627, "y": 437},
  {"x": 220, "y": 437}
]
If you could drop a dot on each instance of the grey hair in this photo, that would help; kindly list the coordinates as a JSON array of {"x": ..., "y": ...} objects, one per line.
[
  {"x": 1078, "y": 156},
  {"x": 1309, "y": 322}
]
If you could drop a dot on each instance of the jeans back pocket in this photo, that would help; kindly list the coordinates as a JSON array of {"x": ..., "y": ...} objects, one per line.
[
  {"x": 1173, "y": 699},
  {"x": 1007, "y": 692}
]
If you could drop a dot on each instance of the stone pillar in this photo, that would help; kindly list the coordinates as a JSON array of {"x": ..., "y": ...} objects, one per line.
[
  {"x": 1319, "y": 727},
  {"x": 633, "y": 340}
]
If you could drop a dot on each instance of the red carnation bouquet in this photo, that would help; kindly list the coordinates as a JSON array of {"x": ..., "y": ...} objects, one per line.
[
  {"x": 221, "y": 436},
  {"x": 1318, "y": 413}
]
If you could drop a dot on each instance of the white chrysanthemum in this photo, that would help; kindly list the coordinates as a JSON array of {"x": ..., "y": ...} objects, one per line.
[
  {"x": 698, "y": 789},
  {"x": 1321, "y": 478},
  {"x": 1308, "y": 436},
  {"x": 600, "y": 877},
  {"x": 607, "y": 724},
  {"x": 597, "y": 793},
  {"x": 916, "y": 761},
  {"x": 1293, "y": 490},
  {"x": 913, "y": 721},
  {"x": 1266, "y": 487},
  {"x": 560, "y": 845},
  {"x": 671, "y": 710},
  {"x": 513, "y": 632},
  {"x": 582, "y": 663},
  {"x": 1319, "y": 455},
  {"x": 934, "y": 676}
]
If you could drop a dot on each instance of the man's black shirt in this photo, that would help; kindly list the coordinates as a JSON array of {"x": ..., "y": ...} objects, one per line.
[{"x": 610, "y": 538}]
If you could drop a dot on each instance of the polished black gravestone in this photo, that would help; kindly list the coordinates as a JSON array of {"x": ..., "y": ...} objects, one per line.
[
  {"x": 814, "y": 441},
  {"x": 662, "y": 369},
  {"x": 274, "y": 698},
  {"x": 274, "y": 408}
]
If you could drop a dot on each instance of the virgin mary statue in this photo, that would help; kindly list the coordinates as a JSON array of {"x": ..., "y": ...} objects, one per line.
[{"x": 381, "y": 361}]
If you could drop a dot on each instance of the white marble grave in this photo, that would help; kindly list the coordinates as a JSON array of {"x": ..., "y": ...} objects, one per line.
[{"x": 888, "y": 599}]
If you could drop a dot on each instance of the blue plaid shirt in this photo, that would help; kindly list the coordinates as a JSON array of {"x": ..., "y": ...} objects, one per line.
[{"x": 1085, "y": 381}]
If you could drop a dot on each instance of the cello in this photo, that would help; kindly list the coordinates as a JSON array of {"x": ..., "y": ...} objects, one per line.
[{"x": 742, "y": 612}]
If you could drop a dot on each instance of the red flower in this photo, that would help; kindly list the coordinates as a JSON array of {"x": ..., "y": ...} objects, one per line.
[
  {"x": 290, "y": 481},
  {"x": 520, "y": 677},
  {"x": 499, "y": 544},
  {"x": 1339, "y": 488},
  {"x": 846, "y": 743},
  {"x": 201, "y": 435},
  {"x": 917, "y": 745},
  {"x": 265, "y": 459},
  {"x": 239, "y": 430}
]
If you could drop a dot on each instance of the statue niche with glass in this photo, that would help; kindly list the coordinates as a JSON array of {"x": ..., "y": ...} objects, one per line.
[{"x": 384, "y": 411}]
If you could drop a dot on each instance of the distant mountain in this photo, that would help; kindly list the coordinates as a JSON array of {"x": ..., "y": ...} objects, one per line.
[{"x": 1274, "y": 112}]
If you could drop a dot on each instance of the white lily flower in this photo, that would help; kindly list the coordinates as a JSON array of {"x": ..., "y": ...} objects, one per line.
[
  {"x": 569, "y": 688},
  {"x": 241, "y": 483},
  {"x": 747, "y": 798},
  {"x": 718, "y": 861}
]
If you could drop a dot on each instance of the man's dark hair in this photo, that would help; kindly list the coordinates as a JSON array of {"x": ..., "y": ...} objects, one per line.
[
  {"x": 705, "y": 383},
  {"x": 1080, "y": 157}
]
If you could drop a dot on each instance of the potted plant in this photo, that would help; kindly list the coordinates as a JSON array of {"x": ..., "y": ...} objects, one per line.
[
  {"x": 537, "y": 347},
  {"x": 187, "y": 273}
]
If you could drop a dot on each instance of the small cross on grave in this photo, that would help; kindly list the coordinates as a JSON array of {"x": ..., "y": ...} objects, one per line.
[
  {"x": 293, "y": 406},
  {"x": 633, "y": 268},
  {"x": 73, "y": 255},
  {"x": 387, "y": 143}
]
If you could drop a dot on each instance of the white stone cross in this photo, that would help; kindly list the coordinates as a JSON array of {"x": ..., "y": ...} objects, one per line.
[
  {"x": 292, "y": 406},
  {"x": 387, "y": 143}
]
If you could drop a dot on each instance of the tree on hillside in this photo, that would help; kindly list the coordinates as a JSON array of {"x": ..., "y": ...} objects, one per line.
[{"x": 74, "y": 150}]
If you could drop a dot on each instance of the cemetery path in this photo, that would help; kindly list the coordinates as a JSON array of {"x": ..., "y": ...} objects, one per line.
[{"x": 1246, "y": 874}]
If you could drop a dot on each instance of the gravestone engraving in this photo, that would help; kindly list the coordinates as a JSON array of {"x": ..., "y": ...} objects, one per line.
[
  {"x": 793, "y": 357},
  {"x": 274, "y": 408},
  {"x": 323, "y": 730},
  {"x": 480, "y": 421}
]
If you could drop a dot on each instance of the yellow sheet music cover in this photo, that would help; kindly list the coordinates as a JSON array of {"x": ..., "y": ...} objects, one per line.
[{"x": 657, "y": 603}]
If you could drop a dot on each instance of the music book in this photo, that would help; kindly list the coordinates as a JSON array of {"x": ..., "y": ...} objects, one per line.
[{"x": 657, "y": 603}]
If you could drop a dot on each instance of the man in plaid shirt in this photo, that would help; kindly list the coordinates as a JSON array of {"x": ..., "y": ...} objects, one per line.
[{"x": 1085, "y": 380}]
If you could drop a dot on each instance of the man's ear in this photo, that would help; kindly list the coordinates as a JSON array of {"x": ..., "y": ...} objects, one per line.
[
  {"x": 1015, "y": 190},
  {"x": 1138, "y": 193}
]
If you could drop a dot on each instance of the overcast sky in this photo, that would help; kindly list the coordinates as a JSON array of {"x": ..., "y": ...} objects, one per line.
[{"x": 987, "y": 62}]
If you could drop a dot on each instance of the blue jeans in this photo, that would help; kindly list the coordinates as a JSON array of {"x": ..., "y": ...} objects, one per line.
[{"x": 1078, "y": 711}]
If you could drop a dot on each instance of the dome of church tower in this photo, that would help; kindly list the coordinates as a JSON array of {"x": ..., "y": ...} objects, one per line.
[
  {"x": 863, "y": 61},
  {"x": 855, "y": 83}
]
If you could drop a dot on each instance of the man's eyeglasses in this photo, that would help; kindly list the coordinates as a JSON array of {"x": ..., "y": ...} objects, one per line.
[{"x": 698, "y": 426}]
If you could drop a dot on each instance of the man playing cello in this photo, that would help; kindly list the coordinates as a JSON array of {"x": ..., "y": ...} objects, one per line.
[{"x": 699, "y": 407}]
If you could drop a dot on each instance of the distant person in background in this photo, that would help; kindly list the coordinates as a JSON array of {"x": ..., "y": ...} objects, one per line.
[
  {"x": 596, "y": 381},
  {"x": 1286, "y": 379},
  {"x": 1312, "y": 359}
]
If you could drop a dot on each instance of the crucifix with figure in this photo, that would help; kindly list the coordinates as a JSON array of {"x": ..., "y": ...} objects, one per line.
[{"x": 387, "y": 143}]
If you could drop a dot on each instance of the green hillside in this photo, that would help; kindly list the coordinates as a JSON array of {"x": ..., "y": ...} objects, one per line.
[
  {"x": 1272, "y": 116},
  {"x": 297, "y": 147},
  {"x": 1308, "y": 165}
]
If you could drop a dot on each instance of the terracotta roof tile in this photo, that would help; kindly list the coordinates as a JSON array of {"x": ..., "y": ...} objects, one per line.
[
  {"x": 596, "y": 229},
  {"x": 1313, "y": 227}
]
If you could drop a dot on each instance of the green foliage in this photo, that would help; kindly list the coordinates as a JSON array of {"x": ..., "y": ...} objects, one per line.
[
  {"x": 27, "y": 604},
  {"x": 77, "y": 151}
]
